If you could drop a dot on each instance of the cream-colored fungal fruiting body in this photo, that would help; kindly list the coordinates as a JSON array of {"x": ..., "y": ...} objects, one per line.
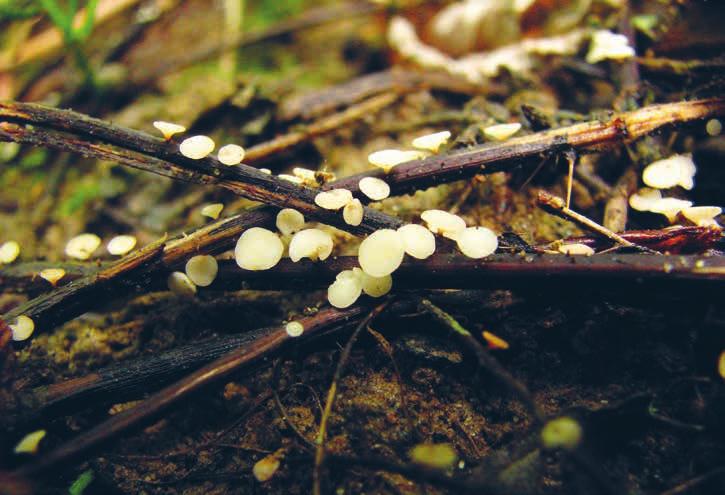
[
  {"x": 333, "y": 199},
  {"x": 258, "y": 249},
  {"x": 202, "y": 269},
  {"x": 353, "y": 213},
  {"x": 387, "y": 159},
  {"x": 418, "y": 241},
  {"x": 606, "y": 45},
  {"x": 289, "y": 221},
  {"x": 677, "y": 170},
  {"x": 82, "y": 246},
  {"x": 373, "y": 286},
  {"x": 444, "y": 223},
  {"x": 196, "y": 147},
  {"x": 477, "y": 242},
  {"x": 294, "y": 328},
  {"x": 121, "y": 244},
  {"x": 52, "y": 275},
  {"x": 231, "y": 154},
  {"x": 651, "y": 200},
  {"x": 374, "y": 188},
  {"x": 168, "y": 129},
  {"x": 501, "y": 132},
  {"x": 345, "y": 290},
  {"x": 576, "y": 249},
  {"x": 702, "y": 216},
  {"x": 432, "y": 142},
  {"x": 22, "y": 328},
  {"x": 179, "y": 283},
  {"x": 381, "y": 253},
  {"x": 314, "y": 244},
  {"x": 212, "y": 210},
  {"x": 9, "y": 252}
]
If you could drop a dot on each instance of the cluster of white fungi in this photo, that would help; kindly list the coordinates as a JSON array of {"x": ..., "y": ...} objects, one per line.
[{"x": 383, "y": 251}]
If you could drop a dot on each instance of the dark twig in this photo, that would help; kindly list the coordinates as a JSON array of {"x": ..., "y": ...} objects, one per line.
[{"x": 266, "y": 343}]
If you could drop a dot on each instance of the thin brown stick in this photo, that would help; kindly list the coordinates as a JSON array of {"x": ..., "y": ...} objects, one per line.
[{"x": 268, "y": 342}]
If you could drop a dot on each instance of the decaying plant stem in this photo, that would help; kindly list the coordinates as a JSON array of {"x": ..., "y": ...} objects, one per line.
[{"x": 268, "y": 341}]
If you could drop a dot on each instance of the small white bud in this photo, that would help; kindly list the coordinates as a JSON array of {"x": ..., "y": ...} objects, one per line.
[{"x": 22, "y": 328}]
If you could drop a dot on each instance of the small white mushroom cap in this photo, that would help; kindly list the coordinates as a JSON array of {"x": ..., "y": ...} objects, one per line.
[
  {"x": 419, "y": 242},
  {"x": 314, "y": 244},
  {"x": 202, "y": 269},
  {"x": 30, "y": 443},
  {"x": 180, "y": 284},
  {"x": 575, "y": 248},
  {"x": 289, "y": 221},
  {"x": 353, "y": 213},
  {"x": 121, "y": 244},
  {"x": 306, "y": 174},
  {"x": 231, "y": 154},
  {"x": 477, "y": 242},
  {"x": 444, "y": 223},
  {"x": 432, "y": 142},
  {"x": 294, "y": 328},
  {"x": 381, "y": 253},
  {"x": 345, "y": 290},
  {"x": 9, "y": 251},
  {"x": 258, "y": 249},
  {"x": 702, "y": 216},
  {"x": 168, "y": 129},
  {"x": 265, "y": 171},
  {"x": 374, "y": 188},
  {"x": 501, "y": 132},
  {"x": 670, "y": 207},
  {"x": 373, "y": 286},
  {"x": 333, "y": 199},
  {"x": 82, "y": 246},
  {"x": 677, "y": 170},
  {"x": 607, "y": 45},
  {"x": 22, "y": 328},
  {"x": 52, "y": 275},
  {"x": 387, "y": 159},
  {"x": 643, "y": 199},
  {"x": 196, "y": 147}
]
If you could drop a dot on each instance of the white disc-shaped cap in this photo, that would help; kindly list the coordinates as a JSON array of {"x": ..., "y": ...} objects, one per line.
[
  {"x": 180, "y": 284},
  {"x": 9, "y": 251},
  {"x": 477, "y": 242},
  {"x": 196, "y": 147},
  {"x": 212, "y": 210},
  {"x": 121, "y": 244},
  {"x": 702, "y": 216},
  {"x": 419, "y": 242},
  {"x": 258, "y": 249},
  {"x": 387, "y": 159},
  {"x": 82, "y": 246},
  {"x": 677, "y": 170},
  {"x": 333, "y": 199},
  {"x": 374, "y": 188},
  {"x": 202, "y": 269},
  {"x": 353, "y": 213},
  {"x": 444, "y": 223},
  {"x": 501, "y": 132},
  {"x": 345, "y": 290},
  {"x": 432, "y": 142},
  {"x": 168, "y": 129},
  {"x": 289, "y": 221},
  {"x": 374, "y": 286},
  {"x": 22, "y": 328},
  {"x": 314, "y": 244},
  {"x": 294, "y": 328},
  {"x": 381, "y": 253},
  {"x": 231, "y": 154}
]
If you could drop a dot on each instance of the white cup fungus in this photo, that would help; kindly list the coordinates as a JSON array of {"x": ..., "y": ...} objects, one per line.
[
  {"x": 314, "y": 244},
  {"x": 345, "y": 290},
  {"x": 258, "y": 249},
  {"x": 387, "y": 159},
  {"x": 121, "y": 244},
  {"x": 501, "y": 132},
  {"x": 82, "y": 246},
  {"x": 23, "y": 328},
  {"x": 168, "y": 129},
  {"x": 374, "y": 188},
  {"x": 202, "y": 269},
  {"x": 444, "y": 223},
  {"x": 9, "y": 251},
  {"x": 289, "y": 221},
  {"x": 333, "y": 199},
  {"x": 418, "y": 241},
  {"x": 677, "y": 170},
  {"x": 432, "y": 142},
  {"x": 381, "y": 253},
  {"x": 179, "y": 283},
  {"x": 477, "y": 242},
  {"x": 231, "y": 154},
  {"x": 197, "y": 147},
  {"x": 353, "y": 213}
]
